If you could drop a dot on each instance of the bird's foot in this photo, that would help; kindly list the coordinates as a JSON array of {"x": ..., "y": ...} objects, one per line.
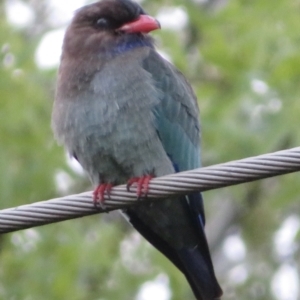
[
  {"x": 142, "y": 184},
  {"x": 99, "y": 192}
]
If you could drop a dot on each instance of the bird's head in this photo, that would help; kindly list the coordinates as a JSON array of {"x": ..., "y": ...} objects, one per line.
[{"x": 108, "y": 25}]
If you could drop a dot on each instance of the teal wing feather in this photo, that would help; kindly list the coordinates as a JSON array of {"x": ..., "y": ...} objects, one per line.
[{"x": 176, "y": 115}]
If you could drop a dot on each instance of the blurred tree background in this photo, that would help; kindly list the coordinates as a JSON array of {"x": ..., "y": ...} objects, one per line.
[{"x": 243, "y": 60}]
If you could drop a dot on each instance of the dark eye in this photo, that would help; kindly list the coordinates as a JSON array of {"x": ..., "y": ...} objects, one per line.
[{"x": 102, "y": 23}]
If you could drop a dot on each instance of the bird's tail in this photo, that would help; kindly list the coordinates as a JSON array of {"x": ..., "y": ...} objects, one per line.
[{"x": 198, "y": 269}]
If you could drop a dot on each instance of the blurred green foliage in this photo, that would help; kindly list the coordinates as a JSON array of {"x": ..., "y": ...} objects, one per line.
[{"x": 243, "y": 60}]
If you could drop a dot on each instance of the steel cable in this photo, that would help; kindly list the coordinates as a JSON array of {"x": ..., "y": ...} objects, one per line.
[{"x": 203, "y": 179}]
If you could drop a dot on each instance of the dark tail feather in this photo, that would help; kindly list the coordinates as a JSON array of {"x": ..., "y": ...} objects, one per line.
[
  {"x": 198, "y": 266},
  {"x": 194, "y": 262},
  {"x": 200, "y": 274}
]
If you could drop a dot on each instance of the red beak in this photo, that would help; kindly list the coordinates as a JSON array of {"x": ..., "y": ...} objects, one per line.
[{"x": 143, "y": 24}]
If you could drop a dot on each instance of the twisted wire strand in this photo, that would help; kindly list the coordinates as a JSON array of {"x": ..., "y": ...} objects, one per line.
[{"x": 203, "y": 179}]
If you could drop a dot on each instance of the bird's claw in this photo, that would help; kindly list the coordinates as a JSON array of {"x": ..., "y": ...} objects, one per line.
[
  {"x": 142, "y": 185},
  {"x": 99, "y": 192}
]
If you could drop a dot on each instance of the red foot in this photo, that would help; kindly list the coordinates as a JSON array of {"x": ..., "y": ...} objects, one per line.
[
  {"x": 99, "y": 192},
  {"x": 142, "y": 184}
]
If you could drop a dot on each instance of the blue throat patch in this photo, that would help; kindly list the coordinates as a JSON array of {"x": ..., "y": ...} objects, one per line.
[{"x": 132, "y": 42}]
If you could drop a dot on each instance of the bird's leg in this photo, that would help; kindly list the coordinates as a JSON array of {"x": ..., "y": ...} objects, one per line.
[
  {"x": 99, "y": 192},
  {"x": 142, "y": 184}
]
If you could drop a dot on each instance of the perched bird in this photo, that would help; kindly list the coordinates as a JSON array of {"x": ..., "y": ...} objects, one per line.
[{"x": 126, "y": 115}]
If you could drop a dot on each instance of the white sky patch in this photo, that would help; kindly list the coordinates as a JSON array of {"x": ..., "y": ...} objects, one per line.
[
  {"x": 133, "y": 258},
  {"x": 18, "y": 13},
  {"x": 48, "y": 53},
  {"x": 165, "y": 55},
  {"x": 174, "y": 18},
  {"x": 63, "y": 182},
  {"x": 259, "y": 87},
  {"x": 201, "y": 1},
  {"x": 157, "y": 289},
  {"x": 238, "y": 274},
  {"x": 74, "y": 165},
  {"x": 63, "y": 10},
  {"x": 234, "y": 248},
  {"x": 25, "y": 240},
  {"x": 274, "y": 105},
  {"x": 284, "y": 239},
  {"x": 285, "y": 283}
]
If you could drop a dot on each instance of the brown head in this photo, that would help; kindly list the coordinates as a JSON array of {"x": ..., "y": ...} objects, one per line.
[{"x": 105, "y": 24}]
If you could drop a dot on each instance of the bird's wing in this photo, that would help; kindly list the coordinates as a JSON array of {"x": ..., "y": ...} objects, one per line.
[
  {"x": 177, "y": 121},
  {"x": 176, "y": 115}
]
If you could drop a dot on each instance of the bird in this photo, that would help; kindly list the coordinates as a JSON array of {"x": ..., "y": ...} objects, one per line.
[{"x": 128, "y": 115}]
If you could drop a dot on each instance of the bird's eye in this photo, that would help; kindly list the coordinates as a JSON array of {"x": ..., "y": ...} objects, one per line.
[{"x": 102, "y": 23}]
